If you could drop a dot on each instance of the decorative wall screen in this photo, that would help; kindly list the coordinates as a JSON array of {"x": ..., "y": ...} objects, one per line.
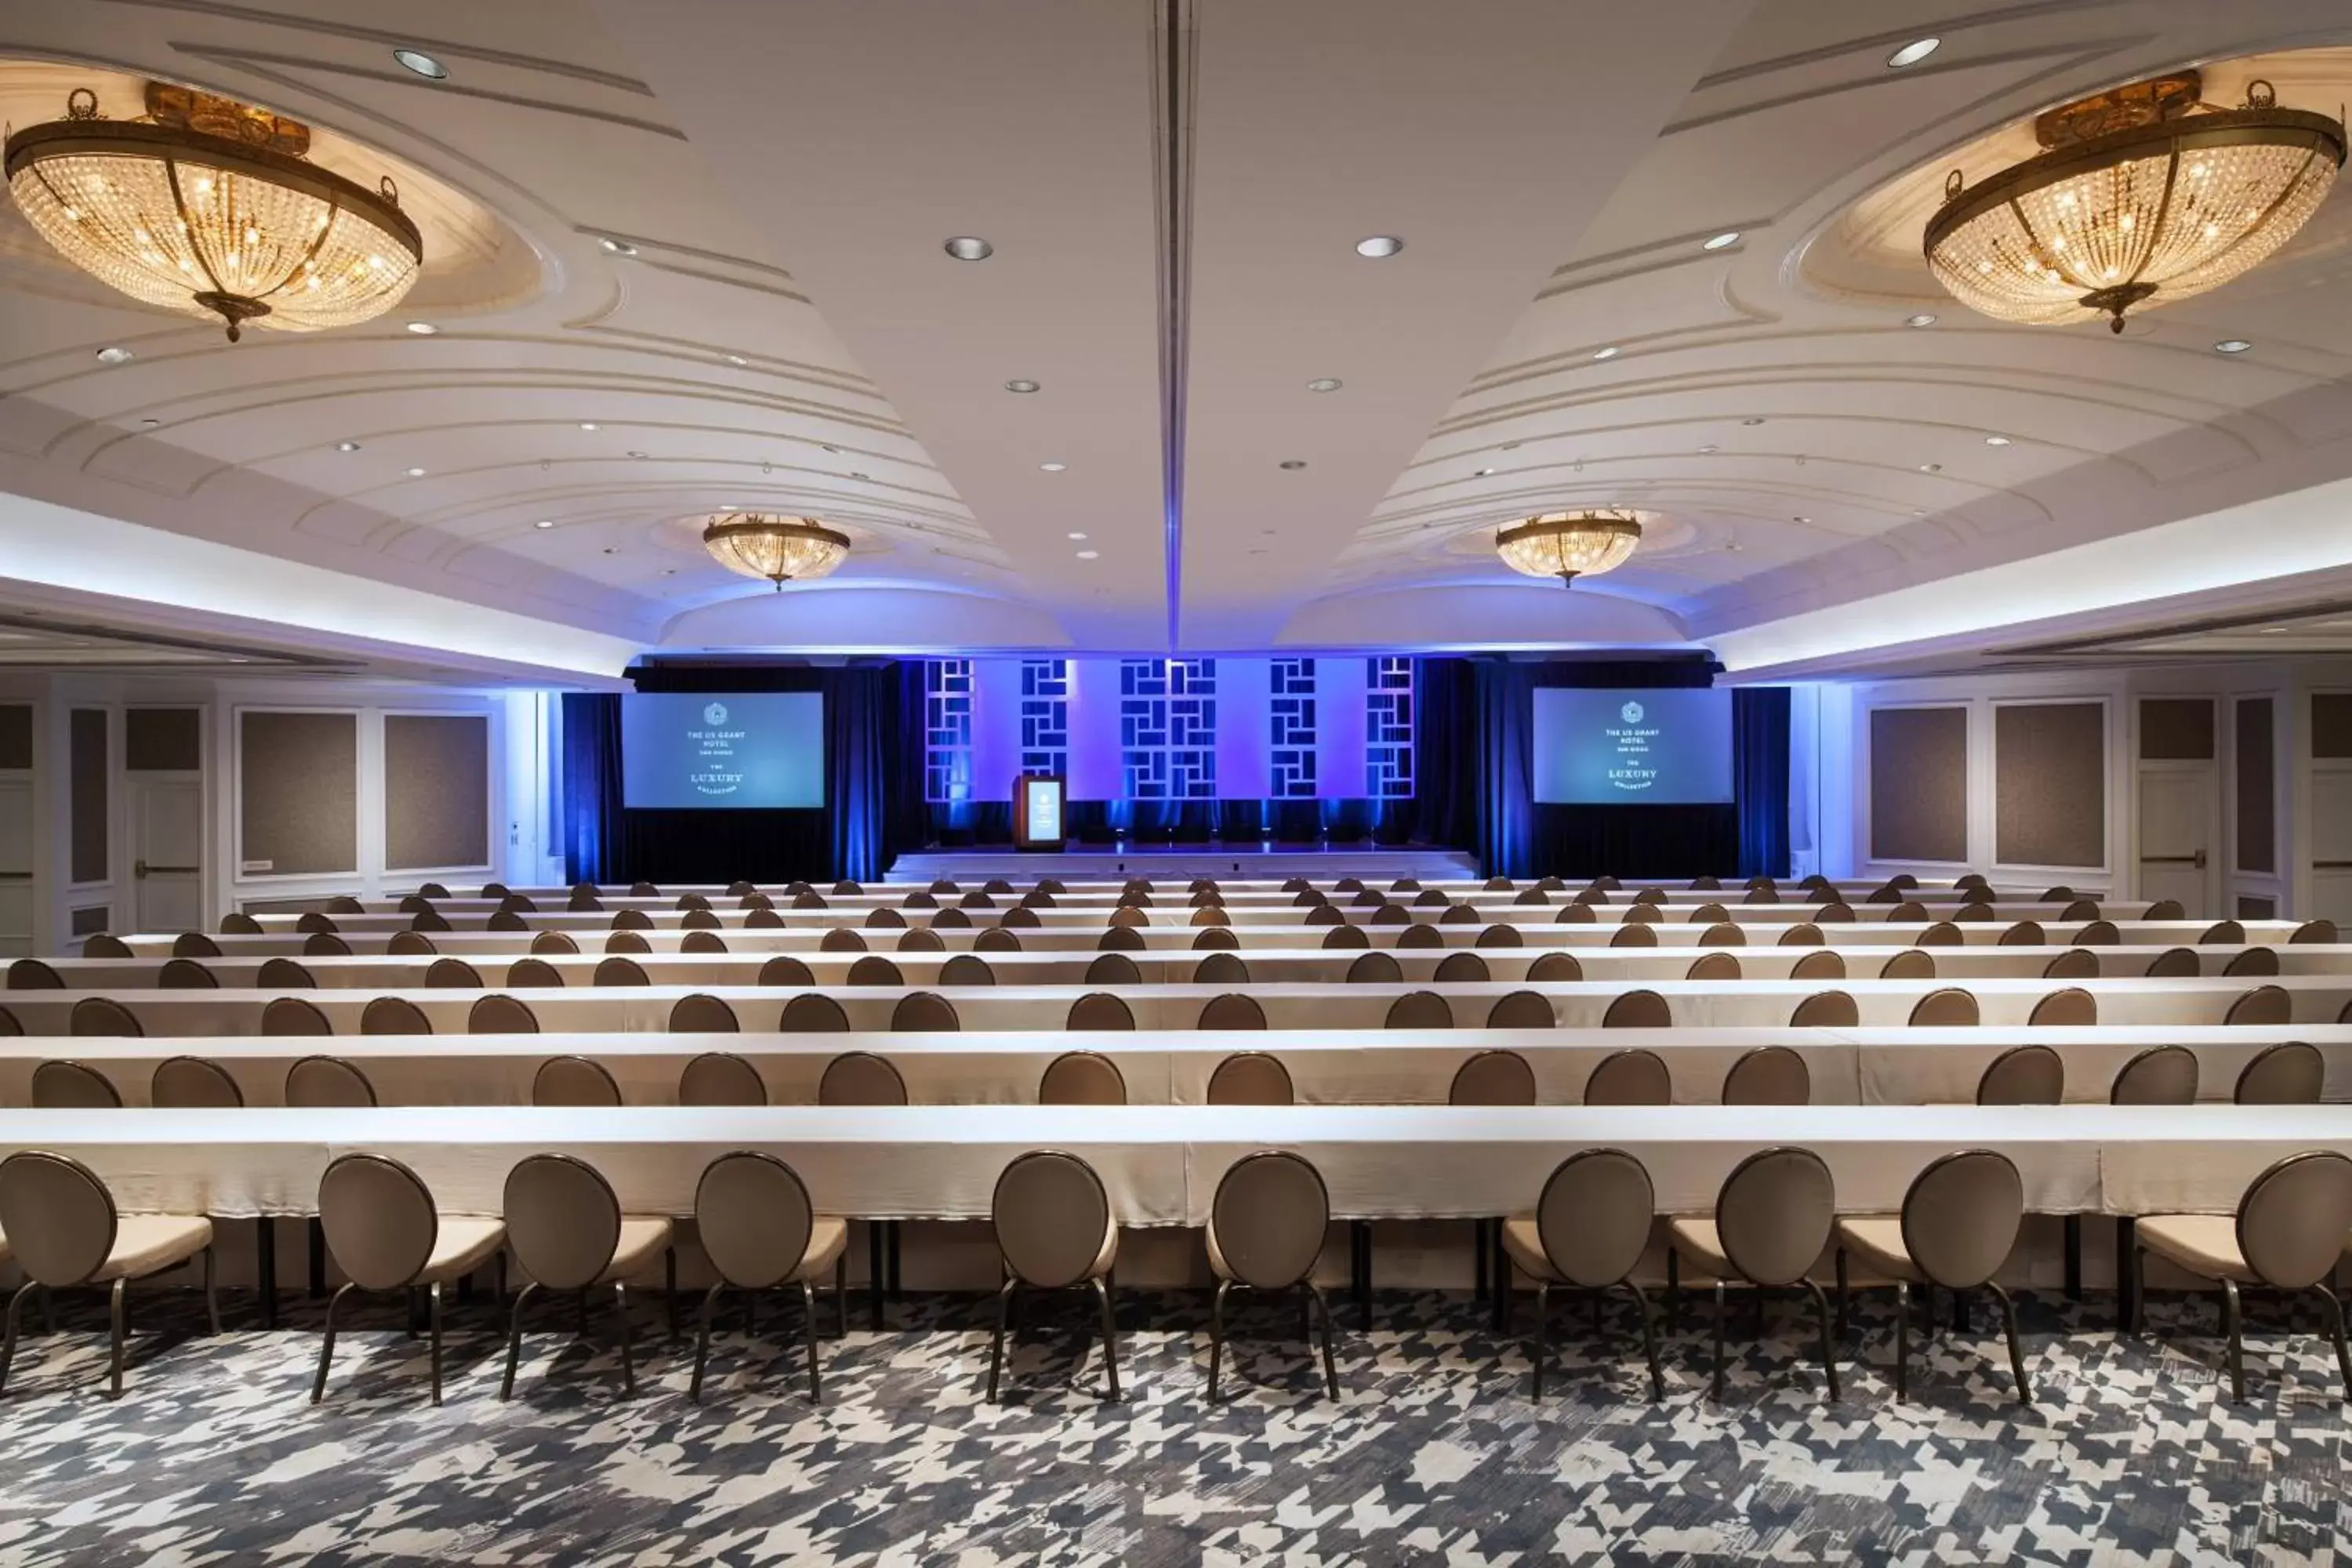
[
  {"x": 1045, "y": 715},
  {"x": 1168, "y": 728},
  {"x": 947, "y": 728},
  {"x": 1290, "y": 734},
  {"x": 1388, "y": 729}
]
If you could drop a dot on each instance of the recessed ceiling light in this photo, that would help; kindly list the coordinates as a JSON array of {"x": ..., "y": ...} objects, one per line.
[
  {"x": 827, "y": 446},
  {"x": 1995, "y": 440},
  {"x": 1931, "y": 467},
  {"x": 417, "y": 473},
  {"x": 1729, "y": 238},
  {"x": 1378, "y": 247},
  {"x": 587, "y": 424},
  {"x": 1292, "y": 465},
  {"x": 422, "y": 64},
  {"x": 636, "y": 453},
  {"x": 1800, "y": 519},
  {"x": 1751, "y": 421},
  {"x": 1912, "y": 53},
  {"x": 1706, "y": 451},
  {"x": 2232, "y": 346},
  {"x": 115, "y": 354},
  {"x": 544, "y": 523},
  {"x": 669, "y": 571},
  {"x": 1482, "y": 473},
  {"x": 347, "y": 445},
  {"x": 1020, "y": 386},
  {"x": 1053, "y": 468},
  {"x": 1324, "y": 384},
  {"x": 422, "y": 329},
  {"x": 617, "y": 246},
  {"x": 857, "y": 476},
  {"x": 151, "y": 424},
  {"x": 1089, "y": 554},
  {"x": 1608, "y": 353},
  {"x": 2271, "y": 631},
  {"x": 737, "y": 359},
  {"x": 1924, "y": 318},
  {"x": 611, "y": 550},
  {"x": 969, "y": 248},
  {"x": 1077, "y": 536}
]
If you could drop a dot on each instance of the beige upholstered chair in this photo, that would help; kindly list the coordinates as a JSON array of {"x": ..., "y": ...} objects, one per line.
[
  {"x": 2071, "y": 1008},
  {"x": 1713, "y": 966},
  {"x": 2265, "y": 1005},
  {"x": 1638, "y": 1010},
  {"x": 1526, "y": 1010},
  {"x": 102, "y": 1017},
  {"x": 753, "y": 1217},
  {"x": 2024, "y": 1075},
  {"x": 573, "y": 1080},
  {"x": 1953, "y": 1006},
  {"x": 702, "y": 1014},
  {"x": 2161, "y": 1075},
  {"x": 1633, "y": 935},
  {"x": 1266, "y": 1226},
  {"x": 1220, "y": 968},
  {"x": 501, "y": 1015},
  {"x": 841, "y": 939},
  {"x": 105, "y": 944},
  {"x": 1249, "y": 1078},
  {"x": 967, "y": 969},
  {"x": 874, "y": 970},
  {"x": 452, "y": 974},
  {"x": 1630, "y": 1078},
  {"x": 553, "y": 944},
  {"x": 72, "y": 1086},
  {"x": 924, "y": 1013},
  {"x": 1911, "y": 963},
  {"x": 1772, "y": 1219},
  {"x": 813, "y": 1013},
  {"x": 860, "y": 1077},
  {"x": 283, "y": 1017},
  {"x": 1552, "y": 967},
  {"x": 1493, "y": 1077},
  {"x": 1056, "y": 1231},
  {"x": 192, "y": 1083},
  {"x": 2174, "y": 963},
  {"x": 2290, "y": 1073},
  {"x": 283, "y": 974},
  {"x": 1418, "y": 1010},
  {"x": 1587, "y": 1232},
  {"x": 2287, "y": 1234},
  {"x": 720, "y": 1078},
  {"x": 65, "y": 1233},
  {"x": 1232, "y": 1010},
  {"x": 2075, "y": 964},
  {"x": 1959, "y": 1226},
  {"x": 386, "y": 1235},
  {"x": 1826, "y": 1010},
  {"x": 1100, "y": 1010},
  {"x": 614, "y": 970},
  {"x": 2255, "y": 961},
  {"x": 32, "y": 974},
  {"x": 1822, "y": 966},
  {"x": 1768, "y": 1075},
  {"x": 1082, "y": 1077},
  {"x": 1461, "y": 967},
  {"x": 187, "y": 974},
  {"x": 1376, "y": 969},
  {"x": 567, "y": 1230}
]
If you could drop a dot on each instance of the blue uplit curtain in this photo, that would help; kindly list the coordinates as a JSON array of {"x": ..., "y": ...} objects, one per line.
[
  {"x": 592, "y": 785},
  {"x": 1759, "y": 766}
]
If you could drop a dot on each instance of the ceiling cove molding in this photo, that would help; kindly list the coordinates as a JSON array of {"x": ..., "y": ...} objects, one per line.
[
  {"x": 2071, "y": 56},
  {"x": 1948, "y": 28},
  {"x": 272, "y": 66}
]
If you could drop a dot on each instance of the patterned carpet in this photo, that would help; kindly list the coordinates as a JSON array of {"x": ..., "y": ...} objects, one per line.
[{"x": 1435, "y": 1453}]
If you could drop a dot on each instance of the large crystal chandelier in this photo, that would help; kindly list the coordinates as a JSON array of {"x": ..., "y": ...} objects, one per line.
[
  {"x": 1569, "y": 544},
  {"x": 208, "y": 206},
  {"x": 2145, "y": 195},
  {"x": 778, "y": 550}
]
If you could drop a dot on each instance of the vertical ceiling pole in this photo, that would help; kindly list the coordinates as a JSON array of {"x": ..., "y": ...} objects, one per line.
[{"x": 1175, "y": 60}]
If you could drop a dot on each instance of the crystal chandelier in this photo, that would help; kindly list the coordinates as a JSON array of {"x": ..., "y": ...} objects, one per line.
[
  {"x": 1569, "y": 544},
  {"x": 778, "y": 550},
  {"x": 2143, "y": 195},
  {"x": 208, "y": 206}
]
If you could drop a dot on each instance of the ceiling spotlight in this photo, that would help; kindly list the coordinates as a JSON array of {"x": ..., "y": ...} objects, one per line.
[
  {"x": 969, "y": 248},
  {"x": 151, "y": 424},
  {"x": 347, "y": 445},
  {"x": 1728, "y": 239},
  {"x": 1931, "y": 467},
  {"x": 2232, "y": 346},
  {"x": 636, "y": 453},
  {"x": 1089, "y": 554},
  {"x": 1324, "y": 384},
  {"x": 115, "y": 354},
  {"x": 1800, "y": 519},
  {"x": 1995, "y": 440},
  {"x": 422, "y": 329},
  {"x": 1608, "y": 353},
  {"x": 617, "y": 246},
  {"x": 1912, "y": 53},
  {"x": 1706, "y": 451},
  {"x": 417, "y": 473},
  {"x": 858, "y": 476},
  {"x": 1292, "y": 465},
  {"x": 611, "y": 550},
  {"x": 1378, "y": 247},
  {"x": 587, "y": 424},
  {"x": 1077, "y": 536},
  {"x": 1924, "y": 318},
  {"x": 1020, "y": 386},
  {"x": 1757, "y": 421},
  {"x": 1481, "y": 473},
  {"x": 1053, "y": 468},
  {"x": 544, "y": 522},
  {"x": 422, "y": 64},
  {"x": 737, "y": 359}
]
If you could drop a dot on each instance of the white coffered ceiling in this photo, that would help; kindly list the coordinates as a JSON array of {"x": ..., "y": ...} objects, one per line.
[{"x": 1174, "y": 195}]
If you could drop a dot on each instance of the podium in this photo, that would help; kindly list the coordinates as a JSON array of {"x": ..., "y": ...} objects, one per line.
[{"x": 1037, "y": 812}]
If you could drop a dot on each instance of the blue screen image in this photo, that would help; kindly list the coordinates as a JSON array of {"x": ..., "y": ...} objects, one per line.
[
  {"x": 732, "y": 751},
  {"x": 1669, "y": 747}
]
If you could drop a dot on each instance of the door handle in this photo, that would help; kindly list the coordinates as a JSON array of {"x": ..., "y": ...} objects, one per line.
[
  {"x": 2197, "y": 860},
  {"x": 144, "y": 870}
]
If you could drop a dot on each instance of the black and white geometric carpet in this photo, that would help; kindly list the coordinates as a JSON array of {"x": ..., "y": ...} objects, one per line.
[{"x": 1435, "y": 1454}]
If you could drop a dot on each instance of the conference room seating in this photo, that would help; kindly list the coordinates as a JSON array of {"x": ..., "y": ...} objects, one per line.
[
  {"x": 1637, "y": 1076},
  {"x": 1643, "y": 915},
  {"x": 1232, "y": 1010},
  {"x": 106, "y": 945},
  {"x": 759, "y": 1232},
  {"x": 1526, "y": 1010},
  {"x": 65, "y": 1233},
  {"x": 32, "y": 974},
  {"x": 922, "y": 940},
  {"x": 1461, "y": 967},
  {"x": 1950, "y": 1007},
  {"x": 538, "y": 974},
  {"x": 2313, "y": 931},
  {"x": 394, "y": 1015},
  {"x": 283, "y": 974},
  {"x": 102, "y": 1017},
  {"x": 1413, "y": 938},
  {"x": 2165, "y": 909},
  {"x": 701, "y": 941},
  {"x": 996, "y": 939},
  {"x": 1121, "y": 939},
  {"x": 2222, "y": 933},
  {"x": 1768, "y": 1075},
  {"x": 950, "y": 919},
  {"x": 291, "y": 1016},
  {"x": 2024, "y": 1075},
  {"x": 427, "y": 920},
  {"x": 841, "y": 939},
  {"x": 1715, "y": 965},
  {"x": 874, "y": 970},
  {"x": 631, "y": 919},
  {"x": 72, "y": 1086},
  {"x": 236, "y": 922},
  {"x": 1082, "y": 1077},
  {"x": 1055, "y": 1230},
  {"x": 1589, "y": 1231},
  {"x": 192, "y": 1083},
  {"x": 720, "y": 1078},
  {"x": 763, "y": 918},
  {"x": 2072, "y": 1007},
  {"x": 1634, "y": 934},
  {"x": 1555, "y": 966},
  {"x": 194, "y": 944},
  {"x": 1114, "y": 969},
  {"x": 1958, "y": 1225},
  {"x": 2289, "y": 1072},
  {"x": 2161, "y": 1075},
  {"x": 1822, "y": 965},
  {"x": 575, "y": 1081},
  {"x": 500, "y": 1015},
  {"x": 325, "y": 944},
  {"x": 966, "y": 969},
  {"x": 388, "y": 1237},
  {"x": 813, "y": 1013},
  {"x": 702, "y": 1015},
  {"x": 453, "y": 975},
  {"x": 1100, "y": 1010},
  {"x": 885, "y": 920},
  {"x": 565, "y": 1227},
  {"x": 924, "y": 1011},
  {"x": 1722, "y": 933},
  {"x": 2262, "y": 1005},
  {"x": 1637, "y": 1010},
  {"x": 2098, "y": 933},
  {"x": 1466, "y": 915},
  {"x": 2075, "y": 964},
  {"x": 1249, "y": 1078},
  {"x": 1941, "y": 933},
  {"x": 1418, "y": 1010},
  {"x": 1220, "y": 968},
  {"x": 2175, "y": 962},
  {"x": 1575, "y": 914},
  {"x": 1265, "y": 1230},
  {"x": 1773, "y": 1217},
  {"x": 785, "y": 969},
  {"x": 410, "y": 943},
  {"x": 9, "y": 1027},
  {"x": 315, "y": 923},
  {"x": 2253, "y": 960}
]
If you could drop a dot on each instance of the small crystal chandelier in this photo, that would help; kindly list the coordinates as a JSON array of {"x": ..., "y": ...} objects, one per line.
[
  {"x": 1570, "y": 544},
  {"x": 208, "y": 206},
  {"x": 2143, "y": 196},
  {"x": 778, "y": 550}
]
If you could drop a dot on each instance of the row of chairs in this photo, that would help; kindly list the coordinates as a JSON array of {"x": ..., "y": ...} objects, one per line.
[{"x": 2287, "y": 1072}]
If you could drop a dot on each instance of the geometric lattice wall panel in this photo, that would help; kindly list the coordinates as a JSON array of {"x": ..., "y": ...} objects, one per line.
[
  {"x": 947, "y": 728},
  {"x": 1290, "y": 729},
  {"x": 1387, "y": 728},
  {"x": 1168, "y": 729},
  {"x": 1045, "y": 716}
]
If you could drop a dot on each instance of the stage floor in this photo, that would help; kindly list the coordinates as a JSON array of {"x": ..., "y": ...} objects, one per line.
[{"x": 1105, "y": 862}]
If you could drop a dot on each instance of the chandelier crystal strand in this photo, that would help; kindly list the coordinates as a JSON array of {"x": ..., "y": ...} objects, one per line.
[
  {"x": 1568, "y": 545},
  {"x": 2172, "y": 203},
  {"x": 776, "y": 550},
  {"x": 236, "y": 227}
]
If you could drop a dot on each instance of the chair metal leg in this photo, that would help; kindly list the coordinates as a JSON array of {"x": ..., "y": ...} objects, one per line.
[
  {"x": 2231, "y": 1326},
  {"x": 1960, "y": 1312},
  {"x": 211, "y": 1297},
  {"x": 514, "y": 1340},
  {"x": 1323, "y": 1311},
  {"x": 2126, "y": 1242},
  {"x": 1109, "y": 1338},
  {"x": 2135, "y": 1313},
  {"x": 1844, "y": 1292},
  {"x": 841, "y": 1294},
  {"x": 702, "y": 1341},
  {"x": 265, "y": 1265},
  {"x": 2074, "y": 1223},
  {"x": 1673, "y": 1289},
  {"x": 628, "y": 1357},
  {"x": 8, "y": 1334},
  {"x": 48, "y": 1310},
  {"x": 433, "y": 1309},
  {"x": 327, "y": 1344},
  {"x": 2335, "y": 1316},
  {"x": 808, "y": 1307},
  {"x": 893, "y": 1233},
  {"x": 1828, "y": 1347},
  {"x": 1362, "y": 1229},
  {"x": 669, "y": 1287},
  {"x": 996, "y": 1342},
  {"x": 318, "y": 1235},
  {"x": 876, "y": 1275},
  {"x": 118, "y": 1325},
  {"x": 2016, "y": 1351},
  {"x": 1217, "y": 1334},
  {"x": 1902, "y": 1340},
  {"x": 1543, "y": 1323},
  {"x": 1717, "y": 1384},
  {"x": 1649, "y": 1337},
  {"x": 1478, "y": 1285}
]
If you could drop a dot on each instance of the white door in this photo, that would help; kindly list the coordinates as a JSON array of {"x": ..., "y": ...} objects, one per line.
[
  {"x": 2331, "y": 842},
  {"x": 16, "y": 869},
  {"x": 167, "y": 855},
  {"x": 2176, "y": 828}
]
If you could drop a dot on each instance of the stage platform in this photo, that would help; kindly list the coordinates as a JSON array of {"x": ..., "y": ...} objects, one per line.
[{"x": 1107, "y": 862}]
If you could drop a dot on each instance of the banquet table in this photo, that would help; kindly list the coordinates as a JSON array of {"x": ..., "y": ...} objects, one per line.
[
  {"x": 1162, "y": 1164},
  {"x": 1761, "y": 1003},
  {"x": 1886, "y": 1067}
]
